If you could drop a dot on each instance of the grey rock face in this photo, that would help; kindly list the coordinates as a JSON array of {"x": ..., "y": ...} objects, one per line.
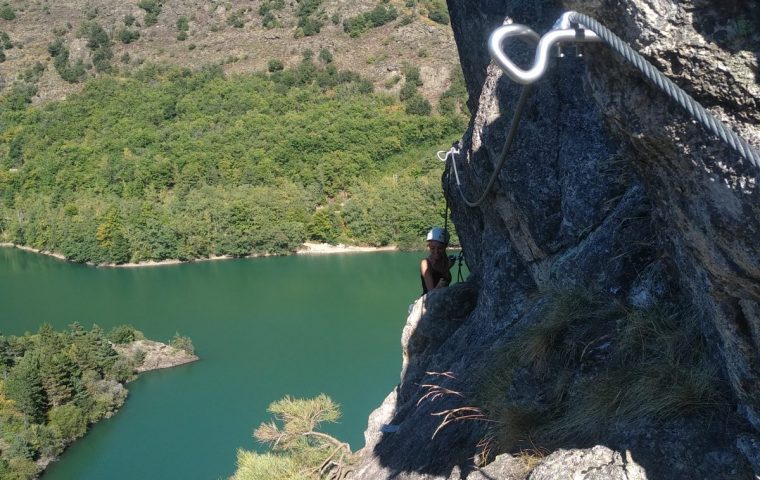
[
  {"x": 598, "y": 463},
  {"x": 609, "y": 185}
]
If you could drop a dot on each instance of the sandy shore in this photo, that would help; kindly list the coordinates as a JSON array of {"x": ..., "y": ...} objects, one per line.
[
  {"x": 320, "y": 248},
  {"x": 307, "y": 248}
]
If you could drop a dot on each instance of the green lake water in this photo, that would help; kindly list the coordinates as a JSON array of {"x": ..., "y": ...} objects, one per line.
[{"x": 263, "y": 327}]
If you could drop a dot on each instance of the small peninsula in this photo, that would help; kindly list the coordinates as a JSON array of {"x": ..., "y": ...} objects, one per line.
[{"x": 54, "y": 385}]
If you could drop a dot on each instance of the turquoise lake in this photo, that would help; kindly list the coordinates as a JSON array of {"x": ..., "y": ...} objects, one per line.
[{"x": 264, "y": 328}]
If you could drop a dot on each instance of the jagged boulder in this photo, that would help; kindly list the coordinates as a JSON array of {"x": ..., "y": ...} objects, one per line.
[{"x": 612, "y": 187}]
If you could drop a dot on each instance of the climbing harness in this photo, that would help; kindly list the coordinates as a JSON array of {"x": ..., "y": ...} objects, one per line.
[{"x": 580, "y": 28}]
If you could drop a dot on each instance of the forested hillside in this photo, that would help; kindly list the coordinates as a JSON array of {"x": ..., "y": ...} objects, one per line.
[
  {"x": 170, "y": 163},
  {"x": 153, "y": 131},
  {"x": 54, "y": 385}
]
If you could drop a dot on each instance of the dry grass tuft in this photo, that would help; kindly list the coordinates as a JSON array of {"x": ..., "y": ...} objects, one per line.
[{"x": 590, "y": 364}]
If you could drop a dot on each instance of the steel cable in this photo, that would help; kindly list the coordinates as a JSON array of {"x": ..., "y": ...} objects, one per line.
[
  {"x": 502, "y": 157},
  {"x": 671, "y": 89}
]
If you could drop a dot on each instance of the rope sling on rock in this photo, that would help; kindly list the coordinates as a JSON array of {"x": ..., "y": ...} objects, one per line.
[{"x": 572, "y": 27}]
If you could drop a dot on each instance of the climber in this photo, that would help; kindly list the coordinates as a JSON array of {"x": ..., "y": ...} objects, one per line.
[{"x": 434, "y": 270}]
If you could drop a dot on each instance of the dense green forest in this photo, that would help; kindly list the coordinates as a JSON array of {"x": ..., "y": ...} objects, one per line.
[
  {"x": 166, "y": 163},
  {"x": 53, "y": 385}
]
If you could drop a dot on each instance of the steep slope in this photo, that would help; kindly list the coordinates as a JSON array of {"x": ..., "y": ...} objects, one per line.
[
  {"x": 235, "y": 34},
  {"x": 614, "y": 301}
]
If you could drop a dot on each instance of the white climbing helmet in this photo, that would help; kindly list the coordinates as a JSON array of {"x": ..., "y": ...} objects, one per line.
[{"x": 438, "y": 234}]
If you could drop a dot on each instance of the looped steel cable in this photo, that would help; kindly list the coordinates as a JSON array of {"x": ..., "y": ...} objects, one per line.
[
  {"x": 502, "y": 157},
  {"x": 576, "y": 22}
]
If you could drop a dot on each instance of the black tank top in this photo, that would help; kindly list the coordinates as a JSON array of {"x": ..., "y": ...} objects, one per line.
[{"x": 436, "y": 277}]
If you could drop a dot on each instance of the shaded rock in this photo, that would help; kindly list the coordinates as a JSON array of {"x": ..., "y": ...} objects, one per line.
[{"x": 609, "y": 186}]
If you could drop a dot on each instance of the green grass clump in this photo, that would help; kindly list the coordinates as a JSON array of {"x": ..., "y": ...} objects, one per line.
[{"x": 589, "y": 364}]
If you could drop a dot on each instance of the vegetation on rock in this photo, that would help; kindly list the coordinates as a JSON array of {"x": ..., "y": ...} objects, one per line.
[{"x": 594, "y": 364}]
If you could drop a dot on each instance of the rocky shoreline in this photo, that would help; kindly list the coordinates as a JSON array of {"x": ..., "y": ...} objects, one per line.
[{"x": 157, "y": 355}]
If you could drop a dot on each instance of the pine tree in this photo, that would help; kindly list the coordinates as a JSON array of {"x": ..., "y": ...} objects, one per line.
[
  {"x": 299, "y": 451},
  {"x": 24, "y": 387},
  {"x": 6, "y": 356},
  {"x": 57, "y": 374}
]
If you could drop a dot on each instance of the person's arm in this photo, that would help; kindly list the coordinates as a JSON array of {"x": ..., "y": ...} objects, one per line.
[{"x": 427, "y": 275}]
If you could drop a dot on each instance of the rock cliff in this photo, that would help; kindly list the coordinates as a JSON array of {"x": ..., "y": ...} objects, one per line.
[{"x": 615, "y": 262}]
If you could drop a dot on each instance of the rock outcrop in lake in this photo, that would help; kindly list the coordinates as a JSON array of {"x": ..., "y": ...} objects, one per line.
[
  {"x": 611, "y": 324},
  {"x": 154, "y": 355}
]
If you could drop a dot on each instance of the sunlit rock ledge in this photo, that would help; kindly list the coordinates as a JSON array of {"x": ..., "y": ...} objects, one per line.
[{"x": 157, "y": 355}]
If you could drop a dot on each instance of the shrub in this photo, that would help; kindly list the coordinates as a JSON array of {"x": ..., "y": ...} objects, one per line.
[
  {"x": 437, "y": 11},
  {"x": 392, "y": 81},
  {"x": 152, "y": 11},
  {"x": 439, "y": 16},
  {"x": 68, "y": 421},
  {"x": 411, "y": 73},
  {"x": 182, "y": 343},
  {"x": 127, "y": 36},
  {"x": 122, "y": 334},
  {"x": 310, "y": 26},
  {"x": 275, "y": 65},
  {"x": 237, "y": 19},
  {"x": 91, "y": 12},
  {"x": 101, "y": 59},
  {"x": 418, "y": 105},
  {"x": 406, "y": 20},
  {"x": 408, "y": 90},
  {"x": 325, "y": 56},
  {"x": 377, "y": 17},
  {"x": 7, "y": 12},
  {"x": 269, "y": 21},
  {"x": 182, "y": 24},
  {"x": 96, "y": 36},
  {"x": 5, "y": 41}
]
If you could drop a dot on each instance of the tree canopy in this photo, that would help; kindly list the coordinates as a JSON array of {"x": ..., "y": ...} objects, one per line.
[
  {"x": 168, "y": 163},
  {"x": 53, "y": 385}
]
